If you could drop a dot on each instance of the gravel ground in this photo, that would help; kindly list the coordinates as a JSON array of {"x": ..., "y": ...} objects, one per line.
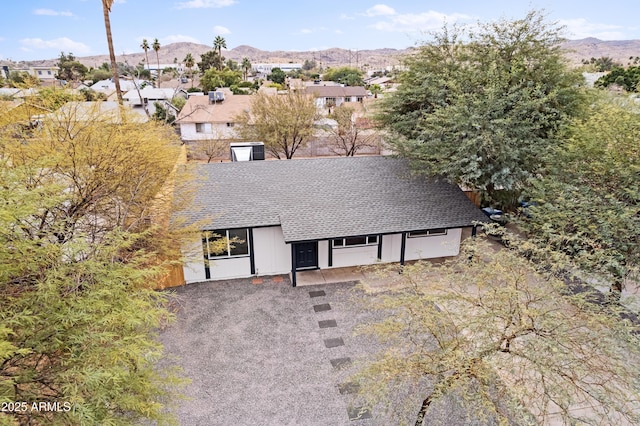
[
  {"x": 264, "y": 355},
  {"x": 256, "y": 353}
]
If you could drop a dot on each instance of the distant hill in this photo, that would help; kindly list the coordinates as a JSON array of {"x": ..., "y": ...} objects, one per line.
[
  {"x": 576, "y": 51},
  {"x": 620, "y": 51}
]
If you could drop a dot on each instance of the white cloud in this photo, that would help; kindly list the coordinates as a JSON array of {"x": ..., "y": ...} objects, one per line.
[
  {"x": 60, "y": 44},
  {"x": 426, "y": 21},
  {"x": 220, "y": 30},
  {"x": 50, "y": 12},
  {"x": 380, "y": 10},
  {"x": 179, "y": 38},
  {"x": 580, "y": 28},
  {"x": 306, "y": 31},
  {"x": 205, "y": 4},
  {"x": 346, "y": 17}
]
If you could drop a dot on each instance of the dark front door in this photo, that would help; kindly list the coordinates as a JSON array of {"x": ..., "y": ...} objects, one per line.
[{"x": 307, "y": 255}]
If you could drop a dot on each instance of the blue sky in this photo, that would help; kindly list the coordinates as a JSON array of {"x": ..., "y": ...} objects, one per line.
[{"x": 41, "y": 29}]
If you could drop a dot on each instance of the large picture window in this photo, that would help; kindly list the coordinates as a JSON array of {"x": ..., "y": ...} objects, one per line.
[
  {"x": 368, "y": 240},
  {"x": 222, "y": 243},
  {"x": 427, "y": 233}
]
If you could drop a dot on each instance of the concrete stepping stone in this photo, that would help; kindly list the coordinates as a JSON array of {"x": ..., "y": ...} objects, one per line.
[
  {"x": 358, "y": 413},
  {"x": 333, "y": 342},
  {"x": 348, "y": 387},
  {"x": 327, "y": 323},
  {"x": 317, "y": 293},
  {"x": 340, "y": 362},
  {"x": 322, "y": 308}
]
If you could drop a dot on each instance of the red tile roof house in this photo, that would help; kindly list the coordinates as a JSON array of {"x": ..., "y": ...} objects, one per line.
[{"x": 321, "y": 213}]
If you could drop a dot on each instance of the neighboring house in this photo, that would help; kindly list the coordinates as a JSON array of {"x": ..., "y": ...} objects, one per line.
[
  {"x": 13, "y": 93},
  {"x": 44, "y": 73},
  {"x": 330, "y": 96},
  {"x": 99, "y": 111},
  {"x": 206, "y": 117},
  {"x": 151, "y": 95},
  {"x": 320, "y": 213},
  {"x": 108, "y": 87},
  {"x": 267, "y": 68}
]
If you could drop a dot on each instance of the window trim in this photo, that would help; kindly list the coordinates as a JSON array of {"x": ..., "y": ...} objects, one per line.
[
  {"x": 437, "y": 232},
  {"x": 370, "y": 240},
  {"x": 228, "y": 254}
]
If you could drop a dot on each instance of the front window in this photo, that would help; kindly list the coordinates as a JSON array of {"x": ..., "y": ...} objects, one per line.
[
  {"x": 355, "y": 241},
  {"x": 222, "y": 243},
  {"x": 427, "y": 233}
]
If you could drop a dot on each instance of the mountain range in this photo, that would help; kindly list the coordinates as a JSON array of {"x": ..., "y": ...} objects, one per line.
[{"x": 575, "y": 50}]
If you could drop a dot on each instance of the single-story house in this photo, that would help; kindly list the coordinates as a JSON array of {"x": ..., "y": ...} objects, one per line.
[
  {"x": 321, "y": 213},
  {"x": 209, "y": 117},
  {"x": 151, "y": 95},
  {"x": 94, "y": 111},
  {"x": 336, "y": 95}
]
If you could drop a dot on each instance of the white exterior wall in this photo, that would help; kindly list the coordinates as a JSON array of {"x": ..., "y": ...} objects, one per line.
[
  {"x": 433, "y": 246},
  {"x": 194, "y": 265},
  {"x": 211, "y": 131},
  {"x": 354, "y": 256},
  {"x": 272, "y": 254}
]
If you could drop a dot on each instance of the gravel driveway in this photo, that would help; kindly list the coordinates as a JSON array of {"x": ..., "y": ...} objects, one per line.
[{"x": 266, "y": 354}]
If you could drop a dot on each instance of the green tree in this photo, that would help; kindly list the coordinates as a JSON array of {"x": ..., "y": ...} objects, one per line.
[
  {"x": 628, "y": 79},
  {"x": 344, "y": 75},
  {"x": 98, "y": 74},
  {"x": 503, "y": 342},
  {"x": 246, "y": 67},
  {"x": 79, "y": 250},
  {"x": 309, "y": 65},
  {"x": 277, "y": 75},
  {"x": 208, "y": 60},
  {"x": 219, "y": 43},
  {"x": 69, "y": 68},
  {"x": 283, "y": 122},
  {"x": 483, "y": 112},
  {"x": 145, "y": 46},
  {"x": 22, "y": 79},
  {"x": 106, "y": 9},
  {"x": 156, "y": 48},
  {"x": 189, "y": 62},
  {"x": 213, "y": 79},
  {"x": 587, "y": 203}
]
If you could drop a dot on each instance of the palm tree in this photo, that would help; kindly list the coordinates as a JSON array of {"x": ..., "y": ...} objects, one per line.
[
  {"x": 156, "y": 47},
  {"x": 145, "y": 46},
  {"x": 106, "y": 9},
  {"x": 189, "y": 62},
  {"x": 246, "y": 66},
  {"x": 218, "y": 44}
]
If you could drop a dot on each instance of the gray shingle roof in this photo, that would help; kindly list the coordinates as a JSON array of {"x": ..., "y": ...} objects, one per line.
[{"x": 325, "y": 198}]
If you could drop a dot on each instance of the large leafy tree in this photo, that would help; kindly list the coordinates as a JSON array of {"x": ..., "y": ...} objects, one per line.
[
  {"x": 213, "y": 79},
  {"x": 283, "y": 122},
  {"x": 80, "y": 249},
  {"x": 490, "y": 335},
  {"x": 345, "y": 75},
  {"x": 106, "y": 9},
  {"x": 70, "y": 69},
  {"x": 210, "y": 59},
  {"x": 587, "y": 203},
  {"x": 482, "y": 107}
]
